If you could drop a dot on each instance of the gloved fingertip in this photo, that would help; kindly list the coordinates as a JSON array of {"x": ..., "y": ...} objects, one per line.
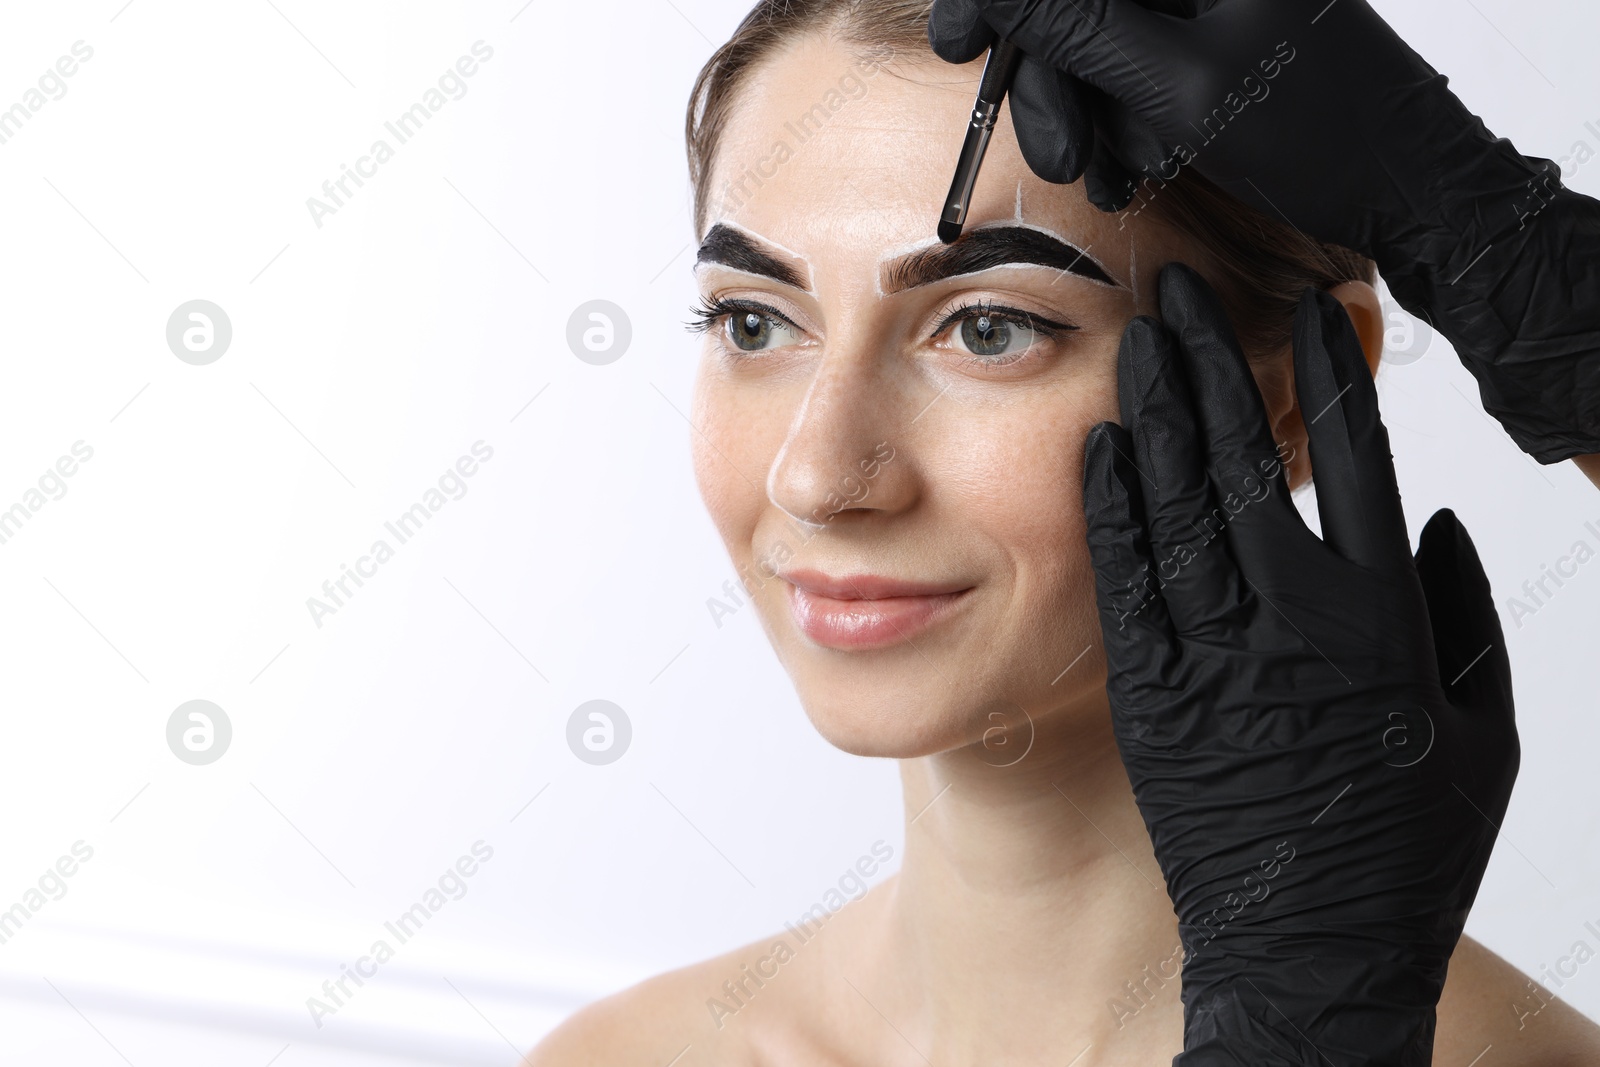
[
  {"x": 1109, "y": 189},
  {"x": 1192, "y": 309},
  {"x": 1112, "y": 504},
  {"x": 1323, "y": 321},
  {"x": 1139, "y": 340},
  {"x": 1437, "y": 544},
  {"x": 1051, "y": 121},
  {"x": 1138, "y": 146},
  {"x": 957, "y": 32},
  {"x": 1314, "y": 374},
  {"x": 1068, "y": 170},
  {"x": 1097, "y": 451},
  {"x": 1443, "y": 522},
  {"x": 1310, "y": 319},
  {"x": 1179, "y": 288},
  {"x": 1115, "y": 438},
  {"x": 1452, "y": 572},
  {"x": 1465, "y": 546},
  {"x": 1104, "y": 450},
  {"x": 1469, "y": 565}
]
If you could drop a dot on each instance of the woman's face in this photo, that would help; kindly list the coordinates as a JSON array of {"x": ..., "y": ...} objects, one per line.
[{"x": 877, "y": 416}]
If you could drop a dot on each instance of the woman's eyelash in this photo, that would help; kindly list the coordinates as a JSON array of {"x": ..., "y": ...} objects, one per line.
[
  {"x": 710, "y": 311},
  {"x": 1016, "y": 316}
]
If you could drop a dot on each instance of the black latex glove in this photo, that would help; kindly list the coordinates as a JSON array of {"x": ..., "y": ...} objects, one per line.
[
  {"x": 1319, "y": 732},
  {"x": 1054, "y": 114},
  {"x": 1318, "y": 113}
]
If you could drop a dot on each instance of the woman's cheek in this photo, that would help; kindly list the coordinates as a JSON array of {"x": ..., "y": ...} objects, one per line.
[
  {"x": 718, "y": 443},
  {"x": 1052, "y": 530},
  {"x": 739, "y": 432}
]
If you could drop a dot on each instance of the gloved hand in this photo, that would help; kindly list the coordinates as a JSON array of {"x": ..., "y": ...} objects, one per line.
[
  {"x": 1318, "y": 113},
  {"x": 1319, "y": 732}
]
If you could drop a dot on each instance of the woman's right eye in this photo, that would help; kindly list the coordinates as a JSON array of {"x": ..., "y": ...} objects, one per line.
[
  {"x": 745, "y": 324},
  {"x": 751, "y": 331}
]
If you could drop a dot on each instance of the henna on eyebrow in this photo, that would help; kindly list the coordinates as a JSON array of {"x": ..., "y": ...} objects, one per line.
[
  {"x": 731, "y": 248},
  {"x": 989, "y": 247}
]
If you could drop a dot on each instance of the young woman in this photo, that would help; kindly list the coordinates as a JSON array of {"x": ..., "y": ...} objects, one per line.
[{"x": 879, "y": 415}]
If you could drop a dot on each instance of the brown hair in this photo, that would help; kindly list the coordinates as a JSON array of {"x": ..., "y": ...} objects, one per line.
[{"x": 1259, "y": 265}]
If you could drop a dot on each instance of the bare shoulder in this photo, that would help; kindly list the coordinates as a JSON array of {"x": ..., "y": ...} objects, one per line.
[
  {"x": 716, "y": 1013},
  {"x": 1488, "y": 1002},
  {"x": 651, "y": 1022}
]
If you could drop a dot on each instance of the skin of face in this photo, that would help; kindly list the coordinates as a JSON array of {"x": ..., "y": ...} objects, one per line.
[{"x": 981, "y": 486}]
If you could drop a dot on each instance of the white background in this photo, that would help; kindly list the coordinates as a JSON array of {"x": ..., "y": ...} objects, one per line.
[{"x": 368, "y": 354}]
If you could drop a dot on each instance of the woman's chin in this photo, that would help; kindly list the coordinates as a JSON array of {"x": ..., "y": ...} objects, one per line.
[
  {"x": 889, "y": 733},
  {"x": 998, "y": 731}
]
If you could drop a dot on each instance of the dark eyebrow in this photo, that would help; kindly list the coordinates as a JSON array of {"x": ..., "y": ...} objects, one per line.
[
  {"x": 991, "y": 246},
  {"x": 732, "y": 248}
]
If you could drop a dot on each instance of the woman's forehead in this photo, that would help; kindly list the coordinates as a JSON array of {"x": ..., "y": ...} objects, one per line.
[{"x": 846, "y": 163}]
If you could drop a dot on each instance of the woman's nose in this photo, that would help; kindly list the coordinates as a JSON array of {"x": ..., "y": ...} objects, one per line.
[{"x": 848, "y": 446}]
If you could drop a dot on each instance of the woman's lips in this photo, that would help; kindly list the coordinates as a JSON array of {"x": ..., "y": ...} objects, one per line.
[{"x": 866, "y": 611}]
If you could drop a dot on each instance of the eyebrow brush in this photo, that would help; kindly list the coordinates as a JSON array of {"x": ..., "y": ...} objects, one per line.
[{"x": 998, "y": 71}]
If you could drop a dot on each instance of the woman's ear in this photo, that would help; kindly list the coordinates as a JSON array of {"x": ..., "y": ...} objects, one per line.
[{"x": 1361, "y": 303}]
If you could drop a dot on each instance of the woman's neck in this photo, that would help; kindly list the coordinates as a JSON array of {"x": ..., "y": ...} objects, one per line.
[{"x": 1028, "y": 898}]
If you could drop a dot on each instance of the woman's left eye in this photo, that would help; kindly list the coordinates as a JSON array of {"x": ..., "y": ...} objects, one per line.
[
  {"x": 997, "y": 337},
  {"x": 989, "y": 336}
]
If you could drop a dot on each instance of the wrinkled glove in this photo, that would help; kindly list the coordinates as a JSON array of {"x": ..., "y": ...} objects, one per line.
[
  {"x": 1319, "y": 732},
  {"x": 1319, "y": 114}
]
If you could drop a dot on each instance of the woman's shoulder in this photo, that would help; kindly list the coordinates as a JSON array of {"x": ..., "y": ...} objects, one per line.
[
  {"x": 1489, "y": 1003},
  {"x": 651, "y": 1022},
  {"x": 719, "y": 1011},
  {"x": 756, "y": 1005}
]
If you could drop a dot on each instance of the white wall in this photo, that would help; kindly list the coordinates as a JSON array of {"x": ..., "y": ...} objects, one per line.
[{"x": 368, "y": 353}]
